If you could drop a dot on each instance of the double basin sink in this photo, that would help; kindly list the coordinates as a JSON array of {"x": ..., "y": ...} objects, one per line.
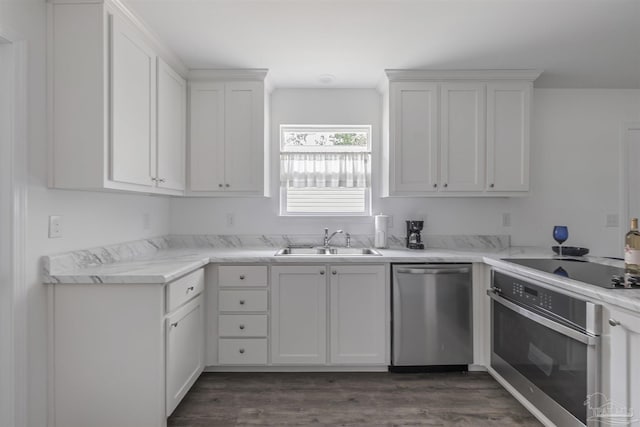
[{"x": 327, "y": 251}]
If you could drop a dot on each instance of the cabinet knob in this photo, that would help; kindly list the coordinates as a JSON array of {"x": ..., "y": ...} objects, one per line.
[
  {"x": 174, "y": 325},
  {"x": 241, "y": 302},
  {"x": 614, "y": 322},
  {"x": 241, "y": 326},
  {"x": 154, "y": 179},
  {"x": 322, "y": 272},
  {"x": 227, "y": 185},
  {"x": 161, "y": 180},
  {"x": 242, "y": 277},
  {"x": 190, "y": 289},
  {"x": 241, "y": 351},
  {"x": 491, "y": 185},
  {"x": 220, "y": 185},
  {"x": 435, "y": 185},
  {"x": 334, "y": 272},
  {"x": 445, "y": 185}
]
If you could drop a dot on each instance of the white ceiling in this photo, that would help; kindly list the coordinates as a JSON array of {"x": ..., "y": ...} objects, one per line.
[{"x": 578, "y": 43}]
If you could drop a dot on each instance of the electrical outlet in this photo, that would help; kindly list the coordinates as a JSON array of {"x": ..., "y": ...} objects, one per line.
[
  {"x": 231, "y": 219},
  {"x": 506, "y": 219},
  {"x": 612, "y": 220},
  {"x": 55, "y": 226},
  {"x": 146, "y": 221}
]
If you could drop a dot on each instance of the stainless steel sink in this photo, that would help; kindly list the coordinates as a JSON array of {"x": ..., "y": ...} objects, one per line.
[{"x": 327, "y": 251}]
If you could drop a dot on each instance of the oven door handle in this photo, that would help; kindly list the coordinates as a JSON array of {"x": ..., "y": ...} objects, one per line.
[{"x": 557, "y": 327}]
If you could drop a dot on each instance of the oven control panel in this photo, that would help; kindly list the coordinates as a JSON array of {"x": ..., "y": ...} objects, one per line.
[
  {"x": 536, "y": 297},
  {"x": 529, "y": 294}
]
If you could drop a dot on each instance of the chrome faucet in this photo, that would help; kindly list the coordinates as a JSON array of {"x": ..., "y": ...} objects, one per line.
[{"x": 327, "y": 237}]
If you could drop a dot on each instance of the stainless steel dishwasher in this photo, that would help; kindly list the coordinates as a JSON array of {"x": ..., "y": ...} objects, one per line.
[{"x": 432, "y": 316}]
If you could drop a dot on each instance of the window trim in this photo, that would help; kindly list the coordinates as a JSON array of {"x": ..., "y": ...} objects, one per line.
[{"x": 333, "y": 128}]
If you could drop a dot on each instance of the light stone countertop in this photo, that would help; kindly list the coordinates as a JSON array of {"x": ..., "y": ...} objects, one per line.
[{"x": 166, "y": 265}]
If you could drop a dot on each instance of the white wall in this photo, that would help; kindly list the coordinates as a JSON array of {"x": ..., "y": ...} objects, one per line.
[
  {"x": 88, "y": 219},
  {"x": 574, "y": 174},
  {"x": 575, "y": 168}
]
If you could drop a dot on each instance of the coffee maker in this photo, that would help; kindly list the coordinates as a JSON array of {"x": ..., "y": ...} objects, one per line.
[{"x": 414, "y": 239}]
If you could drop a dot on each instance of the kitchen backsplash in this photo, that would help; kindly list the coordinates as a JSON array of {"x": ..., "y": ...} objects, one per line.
[{"x": 138, "y": 249}]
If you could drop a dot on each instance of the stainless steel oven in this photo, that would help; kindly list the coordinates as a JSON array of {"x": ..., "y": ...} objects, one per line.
[{"x": 546, "y": 344}]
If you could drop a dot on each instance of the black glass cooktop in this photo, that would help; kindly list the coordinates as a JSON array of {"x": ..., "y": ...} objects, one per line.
[{"x": 605, "y": 276}]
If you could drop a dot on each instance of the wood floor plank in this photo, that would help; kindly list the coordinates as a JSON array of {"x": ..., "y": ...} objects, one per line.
[{"x": 349, "y": 399}]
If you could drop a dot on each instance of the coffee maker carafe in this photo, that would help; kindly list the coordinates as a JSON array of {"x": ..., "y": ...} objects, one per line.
[{"x": 414, "y": 238}]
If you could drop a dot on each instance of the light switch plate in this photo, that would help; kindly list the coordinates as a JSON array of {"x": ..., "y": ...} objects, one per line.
[
  {"x": 55, "y": 226},
  {"x": 612, "y": 220},
  {"x": 506, "y": 219}
]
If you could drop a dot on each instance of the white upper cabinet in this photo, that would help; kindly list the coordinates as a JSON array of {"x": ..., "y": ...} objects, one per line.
[
  {"x": 508, "y": 112},
  {"x": 227, "y": 142},
  {"x": 116, "y": 108},
  {"x": 172, "y": 133},
  {"x": 133, "y": 92},
  {"x": 456, "y": 133},
  {"x": 413, "y": 120},
  {"x": 462, "y": 142}
]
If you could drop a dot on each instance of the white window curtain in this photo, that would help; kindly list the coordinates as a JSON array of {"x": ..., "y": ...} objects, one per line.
[{"x": 350, "y": 170}]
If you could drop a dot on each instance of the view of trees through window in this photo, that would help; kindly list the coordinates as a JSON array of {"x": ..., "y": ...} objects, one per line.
[{"x": 357, "y": 139}]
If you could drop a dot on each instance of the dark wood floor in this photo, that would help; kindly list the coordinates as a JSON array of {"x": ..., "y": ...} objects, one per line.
[{"x": 349, "y": 399}]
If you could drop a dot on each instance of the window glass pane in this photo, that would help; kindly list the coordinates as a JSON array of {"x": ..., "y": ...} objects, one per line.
[
  {"x": 326, "y": 200},
  {"x": 295, "y": 140}
]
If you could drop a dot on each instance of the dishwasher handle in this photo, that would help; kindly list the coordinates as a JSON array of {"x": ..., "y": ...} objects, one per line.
[{"x": 429, "y": 270}]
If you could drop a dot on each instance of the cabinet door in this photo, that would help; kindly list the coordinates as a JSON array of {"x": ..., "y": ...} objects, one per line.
[
  {"x": 172, "y": 111},
  {"x": 462, "y": 137},
  {"x": 508, "y": 117},
  {"x": 298, "y": 315},
  {"x": 624, "y": 354},
  {"x": 133, "y": 106},
  {"x": 358, "y": 313},
  {"x": 413, "y": 137},
  {"x": 184, "y": 350},
  {"x": 244, "y": 136},
  {"x": 206, "y": 136}
]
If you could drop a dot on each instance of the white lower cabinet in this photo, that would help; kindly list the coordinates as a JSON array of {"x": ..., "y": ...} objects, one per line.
[
  {"x": 358, "y": 307},
  {"x": 184, "y": 350},
  {"x": 243, "y": 315},
  {"x": 335, "y": 315},
  {"x": 243, "y": 351},
  {"x": 621, "y": 367},
  {"x": 124, "y": 354},
  {"x": 298, "y": 317}
]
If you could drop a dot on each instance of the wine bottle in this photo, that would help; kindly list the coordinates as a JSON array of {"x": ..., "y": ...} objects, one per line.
[{"x": 632, "y": 252}]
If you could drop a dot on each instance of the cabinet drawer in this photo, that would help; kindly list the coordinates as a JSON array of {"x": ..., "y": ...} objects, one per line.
[
  {"x": 242, "y": 325},
  {"x": 239, "y": 275},
  {"x": 183, "y": 289},
  {"x": 242, "y": 300},
  {"x": 242, "y": 351}
]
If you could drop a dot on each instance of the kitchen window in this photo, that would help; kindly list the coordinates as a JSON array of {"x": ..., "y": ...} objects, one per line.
[{"x": 325, "y": 170}]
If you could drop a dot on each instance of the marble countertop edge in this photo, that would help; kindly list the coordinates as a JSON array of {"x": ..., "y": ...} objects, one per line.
[{"x": 167, "y": 265}]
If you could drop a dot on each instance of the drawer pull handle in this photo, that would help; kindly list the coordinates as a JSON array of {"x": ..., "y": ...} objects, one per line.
[
  {"x": 241, "y": 326},
  {"x": 241, "y": 351},
  {"x": 190, "y": 288},
  {"x": 322, "y": 272},
  {"x": 334, "y": 272},
  {"x": 241, "y": 302},
  {"x": 242, "y": 277},
  {"x": 174, "y": 325}
]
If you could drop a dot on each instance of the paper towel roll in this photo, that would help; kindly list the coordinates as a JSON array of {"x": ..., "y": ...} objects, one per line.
[{"x": 381, "y": 224}]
